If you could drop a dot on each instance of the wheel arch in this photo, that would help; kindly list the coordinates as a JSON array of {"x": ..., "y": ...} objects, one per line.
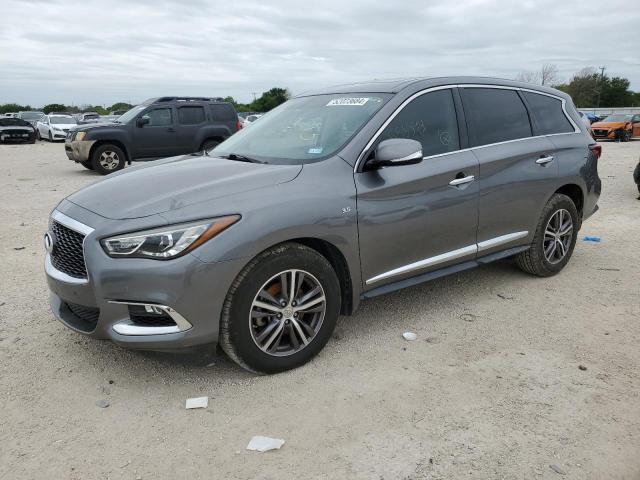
[{"x": 575, "y": 193}]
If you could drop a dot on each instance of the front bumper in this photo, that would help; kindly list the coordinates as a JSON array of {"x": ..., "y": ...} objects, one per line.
[
  {"x": 185, "y": 289},
  {"x": 78, "y": 151}
]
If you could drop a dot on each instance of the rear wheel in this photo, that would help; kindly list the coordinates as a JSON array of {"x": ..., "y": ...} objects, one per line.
[
  {"x": 107, "y": 159},
  {"x": 554, "y": 239},
  {"x": 281, "y": 309},
  {"x": 50, "y": 136}
]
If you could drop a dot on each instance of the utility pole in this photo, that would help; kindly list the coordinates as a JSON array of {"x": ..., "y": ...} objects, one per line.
[
  {"x": 254, "y": 95},
  {"x": 602, "y": 69}
]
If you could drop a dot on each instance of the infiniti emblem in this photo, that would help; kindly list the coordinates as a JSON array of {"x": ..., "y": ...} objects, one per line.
[{"x": 49, "y": 242}]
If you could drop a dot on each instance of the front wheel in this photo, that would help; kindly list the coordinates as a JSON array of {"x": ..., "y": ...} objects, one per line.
[
  {"x": 107, "y": 159},
  {"x": 281, "y": 309},
  {"x": 626, "y": 136},
  {"x": 554, "y": 239},
  {"x": 209, "y": 145},
  {"x": 38, "y": 137}
]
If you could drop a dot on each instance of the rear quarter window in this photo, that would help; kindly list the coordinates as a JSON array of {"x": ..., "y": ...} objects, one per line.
[
  {"x": 191, "y": 115},
  {"x": 223, "y": 113},
  {"x": 495, "y": 115},
  {"x": 548, "y": 113}
]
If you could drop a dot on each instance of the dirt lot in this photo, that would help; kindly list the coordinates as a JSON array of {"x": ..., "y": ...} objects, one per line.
[{"x": 491, "y": 389}]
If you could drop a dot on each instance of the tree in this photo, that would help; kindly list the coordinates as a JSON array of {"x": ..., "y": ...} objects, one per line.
[
  {"x": 583, "y": 87},
  {"x": 54, "y": 107},
  {"x": 270, "y": 99},
  {"x": 120, "y": 106},
  {"x": 13, "y": 107},
  {"x": 615, "y": 92},
  {"x": 547, "y": 75}
]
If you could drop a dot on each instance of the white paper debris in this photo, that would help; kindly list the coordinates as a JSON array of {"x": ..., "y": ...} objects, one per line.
[
  {"x": 263, "y": 444},
  {"x": 410, "y": 336},
  {"x": 198, "y": 402}
]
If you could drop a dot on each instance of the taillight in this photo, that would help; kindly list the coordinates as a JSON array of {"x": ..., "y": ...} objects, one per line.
[
  {"x": 238, "y": 125},
  {"x": 596, "y": 148}
]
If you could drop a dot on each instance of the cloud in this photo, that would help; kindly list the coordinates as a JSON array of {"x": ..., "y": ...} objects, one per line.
[{"x": 101, "y": 52}]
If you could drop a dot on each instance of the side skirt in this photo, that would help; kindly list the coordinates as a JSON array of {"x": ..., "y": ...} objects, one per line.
[{"x": 425, "y": 277}]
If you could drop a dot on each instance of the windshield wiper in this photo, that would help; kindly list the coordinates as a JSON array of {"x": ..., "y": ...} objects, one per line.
[{"x": 241, "y": 158}]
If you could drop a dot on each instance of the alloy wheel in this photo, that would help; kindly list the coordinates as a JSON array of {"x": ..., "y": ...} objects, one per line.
[
  {"x": 287, "y": 312},
  {"x": 109, "y": 160},
  {"x": 557, "y": 236}
]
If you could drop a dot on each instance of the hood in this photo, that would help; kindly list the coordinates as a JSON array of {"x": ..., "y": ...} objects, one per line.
[
  {"x": 608, "y": 124},
  {"x": 175, "y": 183},
  {"x": 83, "y": 127},
  {"x": 16, "y": 127}
]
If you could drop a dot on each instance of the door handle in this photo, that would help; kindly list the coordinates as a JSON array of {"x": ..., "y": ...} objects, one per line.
[
  {"x": 544, "y": 160},
  {"x": 461, "y": 181}
]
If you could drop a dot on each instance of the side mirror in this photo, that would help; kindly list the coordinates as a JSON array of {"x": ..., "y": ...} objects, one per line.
[
  {"x": 143, "y": 120},
  {"x": 396, "y": 152}
]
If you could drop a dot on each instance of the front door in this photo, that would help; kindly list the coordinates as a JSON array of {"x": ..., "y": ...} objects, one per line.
[
  {"x": 412, "y": 219},
  {"x": 158, "y": 137}
]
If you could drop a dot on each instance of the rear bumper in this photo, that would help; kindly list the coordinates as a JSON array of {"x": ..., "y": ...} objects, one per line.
[{"x": 78, "y": 151}]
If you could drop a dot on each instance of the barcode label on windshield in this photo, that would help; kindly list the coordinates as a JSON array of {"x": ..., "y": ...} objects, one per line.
[{"x": 356, "y": 102}]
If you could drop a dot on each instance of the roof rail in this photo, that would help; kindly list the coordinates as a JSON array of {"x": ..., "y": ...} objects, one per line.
[{"x": 189, "y": 99}]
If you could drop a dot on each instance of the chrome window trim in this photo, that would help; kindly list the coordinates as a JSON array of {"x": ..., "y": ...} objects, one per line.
[
  {"x": 447, "y": 256},
  {"x": 466, "y": 85}
]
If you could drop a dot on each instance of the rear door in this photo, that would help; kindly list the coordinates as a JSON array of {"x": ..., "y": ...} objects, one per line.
[
  {"x": 412, "y": 219},
  {"x": 517, "y": 168},
  {"x": 224, "y": 114},
  {"x": 635, "y": 122},
  {"x": 158, "y": 137},
  {"x": 191, "y": 118}
]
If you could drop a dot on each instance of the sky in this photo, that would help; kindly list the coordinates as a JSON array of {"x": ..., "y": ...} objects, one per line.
[{"x": 101, "y": 52}]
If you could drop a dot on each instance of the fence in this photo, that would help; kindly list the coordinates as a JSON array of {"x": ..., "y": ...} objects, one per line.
[{"x": 602, "y": 111}]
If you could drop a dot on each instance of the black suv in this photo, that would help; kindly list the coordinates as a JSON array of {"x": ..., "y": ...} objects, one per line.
[{"x": 157, "y": 128}]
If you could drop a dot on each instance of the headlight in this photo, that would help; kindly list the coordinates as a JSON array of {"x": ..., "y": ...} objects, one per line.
[
  {"x": 168, "y": 242},
  {"x": 80, "y": 136}
]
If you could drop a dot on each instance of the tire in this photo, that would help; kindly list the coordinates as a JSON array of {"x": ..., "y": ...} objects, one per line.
[
  {"x": 50, "y": 136},
  {"x": 38, "y": 137},
  {"x": 626, "y": 136},
  {"x": 243, "y": 322},
  {"x": 88, "y": 165},
  {"x": 535, "y": 260},
  {"x": 636, "y": 176},
  {"x": 107, "y": 159},
  {"x": 209, "y": 144}
]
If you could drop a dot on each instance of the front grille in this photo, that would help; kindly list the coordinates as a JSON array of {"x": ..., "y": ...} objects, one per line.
[
  {"x": 68, "y": 255},
  {"x": 87, "y": 314},
  {"x": 601, "y": 132}
]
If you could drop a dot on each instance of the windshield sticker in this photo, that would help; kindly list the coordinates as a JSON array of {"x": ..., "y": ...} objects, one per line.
[
  {"x": 356, "y": 102},
  {"x": 315, "y": 150}
]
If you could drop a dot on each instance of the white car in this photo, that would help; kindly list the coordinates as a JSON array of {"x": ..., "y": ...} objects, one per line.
[{"x": 54, "y": 127}]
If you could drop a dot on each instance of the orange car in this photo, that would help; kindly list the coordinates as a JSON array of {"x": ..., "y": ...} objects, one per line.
[{"x": 618, "y": 126}]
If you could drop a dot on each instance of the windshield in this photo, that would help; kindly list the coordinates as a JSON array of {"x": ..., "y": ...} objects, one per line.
[
  {"x": 304, "y": 129},
  {"x": 131, "y": 114},
  {"x": 31, "y": 115},
  {"x": 617, "y": 118},
  {"x": 62, "y": 120}
]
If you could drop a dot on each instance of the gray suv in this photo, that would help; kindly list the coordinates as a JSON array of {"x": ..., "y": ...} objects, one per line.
[{"x": 335, "y": 196}]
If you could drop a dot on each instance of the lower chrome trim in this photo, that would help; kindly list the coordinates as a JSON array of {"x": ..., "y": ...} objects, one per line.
[
  {"x": 56, "y": 274},
  {"x": 427, "y": 262},
  {"x": 452, "y": 255},
  {"x": 128, "y": 328},
  {"x": 494, "y": 242}
]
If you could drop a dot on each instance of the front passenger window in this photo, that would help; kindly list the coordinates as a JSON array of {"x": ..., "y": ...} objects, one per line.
[
  {"x": 429, "y": 119},
  {"x": 160, "y": 117}
]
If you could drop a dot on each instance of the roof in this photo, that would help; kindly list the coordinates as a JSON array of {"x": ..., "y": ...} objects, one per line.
[{"x": 398, "y": 84}]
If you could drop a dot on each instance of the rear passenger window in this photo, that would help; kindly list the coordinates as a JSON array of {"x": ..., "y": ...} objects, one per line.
[
  {"x": 550, "y": 117},
  {"x": 224, "y": 113},
  {"x": 190, "y": 115},
  {"x": 429, "y": 119},
  {"x": 494, "y": 115}
]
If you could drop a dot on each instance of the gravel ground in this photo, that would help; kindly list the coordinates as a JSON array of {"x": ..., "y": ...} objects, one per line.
[{"x": 491, "y": 389}]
